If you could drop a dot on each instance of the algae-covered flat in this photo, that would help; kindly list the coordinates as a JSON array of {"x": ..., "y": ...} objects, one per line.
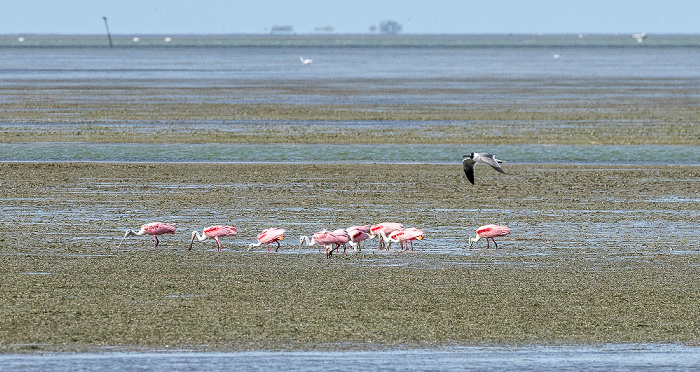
[{"x": 595, "y": 254}]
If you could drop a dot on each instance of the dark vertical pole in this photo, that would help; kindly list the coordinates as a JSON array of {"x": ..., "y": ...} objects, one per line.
[{"x": 108, "y": 34}]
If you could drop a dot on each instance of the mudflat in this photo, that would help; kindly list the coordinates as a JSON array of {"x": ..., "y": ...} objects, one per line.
[{"x": 590, "y": 258}]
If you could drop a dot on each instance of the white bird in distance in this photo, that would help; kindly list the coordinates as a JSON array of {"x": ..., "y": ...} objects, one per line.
[{"x": 640, "y": 37}]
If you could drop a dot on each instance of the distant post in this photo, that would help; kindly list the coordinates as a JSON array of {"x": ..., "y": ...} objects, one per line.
[{"x": 109, "y": 36}]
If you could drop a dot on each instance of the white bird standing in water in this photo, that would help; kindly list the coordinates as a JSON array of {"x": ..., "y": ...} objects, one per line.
[
  {"x": 479, "y": 157},
  {"x": 306, "y": 61},
  {"x": 640, "y": 37}
]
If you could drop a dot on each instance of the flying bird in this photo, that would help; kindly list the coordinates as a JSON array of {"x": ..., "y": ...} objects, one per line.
[
  {"x": 489, "y": 232},
  {"x": 267, "y": 237},
  {"x": 153, "y": 228},
  {"x": 469, "y": 161},
  {"x": 213, "y": 232}
]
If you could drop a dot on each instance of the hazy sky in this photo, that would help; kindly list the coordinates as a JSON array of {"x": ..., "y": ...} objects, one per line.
[{"x": 350, "y": 16}]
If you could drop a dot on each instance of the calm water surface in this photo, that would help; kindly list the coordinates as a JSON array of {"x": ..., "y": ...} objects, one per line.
[
  {"x": 348, "y": 153},
  {"x": 636, "y": 357}
]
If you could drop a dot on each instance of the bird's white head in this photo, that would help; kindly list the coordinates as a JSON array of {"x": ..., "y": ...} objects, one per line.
[{"x": 473, "y": 240}]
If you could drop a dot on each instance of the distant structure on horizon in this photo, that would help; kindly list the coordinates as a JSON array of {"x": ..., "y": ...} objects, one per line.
[
  {"x": 281, "y": 30},
  {"x": 325, "y": 29},
  {"x": 390, "y": 28}
]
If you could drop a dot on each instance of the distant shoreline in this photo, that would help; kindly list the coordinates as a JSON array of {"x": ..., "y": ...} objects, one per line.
[{"x": 346, "y": 40}]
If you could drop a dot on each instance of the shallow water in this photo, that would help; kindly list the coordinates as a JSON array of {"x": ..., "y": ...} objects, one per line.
[
  {"x": 632, "y": 357},
  {"x": 345, "y": 153},
  {"x": 598, "y": 227}
]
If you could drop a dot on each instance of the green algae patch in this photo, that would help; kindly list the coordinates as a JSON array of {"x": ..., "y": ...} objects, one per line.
[
  {"x": 597, "y": 254},
  {"x": 408, "y": 110},
  {"x": 264, "y": 301}
]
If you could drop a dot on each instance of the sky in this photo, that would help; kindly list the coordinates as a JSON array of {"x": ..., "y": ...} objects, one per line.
[{"x": 134, "y": 17}]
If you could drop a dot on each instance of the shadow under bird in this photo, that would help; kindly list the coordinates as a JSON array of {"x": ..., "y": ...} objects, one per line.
[{"x": 470, "y": 160}]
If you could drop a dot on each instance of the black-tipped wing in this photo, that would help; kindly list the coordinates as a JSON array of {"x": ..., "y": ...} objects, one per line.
[
  {"x": 468, "y": 166},
  {"x": 491, "y": 160}
]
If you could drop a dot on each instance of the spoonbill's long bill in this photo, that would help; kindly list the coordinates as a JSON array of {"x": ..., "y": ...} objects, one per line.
[
  {"x": 489, "y": 232},
  {"x": 213, "y": 232},
  {"x": 269, "y": 236},
  {"x": 153, "y": 228}
]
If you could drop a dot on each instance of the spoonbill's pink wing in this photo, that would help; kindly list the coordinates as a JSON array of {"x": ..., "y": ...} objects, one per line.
[
  {"x": 363, "y": 228},
  {"x": 158, "y": 228},
  {"x": 491, "y": 231},
  {"x": 270, "y": 235},
  {"x": 324, "y": 237},
  {"x": 341, "y": 236},
  {"x": 387, "y": 227},
  {"x": 218, "y": 231}
]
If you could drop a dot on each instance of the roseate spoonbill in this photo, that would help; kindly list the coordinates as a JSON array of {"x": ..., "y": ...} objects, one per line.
[
  {"x": 268, "y": 236},
  {"x": 153, "y": 228},
  {"x": 322, "y": 238},
  {"x": 489, "y": 232},
  {"x": 403, "y": 236},
  {"x": 357, "y": 236},
  {"x": 386, "y": 227},
  {"x": 306, "y": 61},
  {"x": 213, "y": 232},
  {"x": 363, "y": 228},
  {"x": 469, "y": 161},
  {"x": 342, "y": 238}
]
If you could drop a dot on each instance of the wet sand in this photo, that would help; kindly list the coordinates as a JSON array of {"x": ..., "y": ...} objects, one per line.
[
  {"x": 597, "y": 254},
  {"x": 621, "y": 111}
]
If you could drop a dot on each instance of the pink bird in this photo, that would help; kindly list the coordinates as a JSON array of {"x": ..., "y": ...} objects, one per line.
[
  {"x": 385, "y": 227},
  {"x": 341, "y": 238},
  {"x": 153, "y": 228},
  {"x": 403, "y": 236},
  {"x": 323, "y": 238},
  {"x": 489, "y": 232},
  {"x": 357, "y": 236},
  {"x": 267, "y": 237},
  {"x": 364, "y": 228},
  {"x": 213, "y": 232}
]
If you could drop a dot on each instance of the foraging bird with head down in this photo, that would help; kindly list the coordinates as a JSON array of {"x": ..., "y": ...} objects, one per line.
[
  {"x": 470, "y": 160},
  {"x": 153, "y": 228},
  {"x": 489, "y": 232},
  {"x": 213, "y": 232},
  {"x": 267, "y": 237}
]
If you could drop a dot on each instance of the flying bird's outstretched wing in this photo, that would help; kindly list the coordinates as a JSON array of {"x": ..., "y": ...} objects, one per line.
[
  {"x": 468, "y": 165},
  {"x": 491, "y": 160}
]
